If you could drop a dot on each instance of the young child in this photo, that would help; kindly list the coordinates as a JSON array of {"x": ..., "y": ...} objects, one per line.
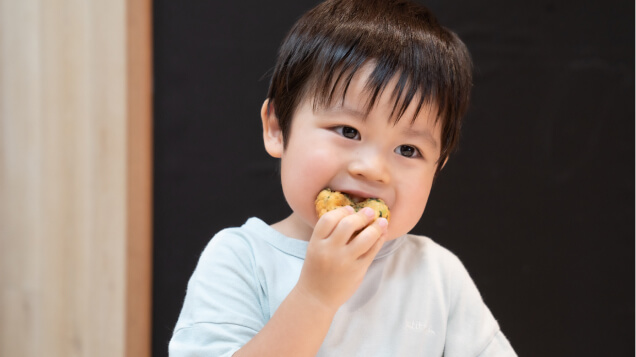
[{"x": 366, "y": 98}]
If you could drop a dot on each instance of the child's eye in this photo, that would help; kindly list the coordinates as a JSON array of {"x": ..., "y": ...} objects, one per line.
[
  {"x": 348, "y": 132},
  {"x": 408, "y": 151}
]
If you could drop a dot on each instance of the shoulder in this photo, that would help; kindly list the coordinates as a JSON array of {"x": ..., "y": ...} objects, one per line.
[
  {"x": 229, "y": 249},
  {"x": 224, "y": 291},
  {"x": 250, "y": 246},
  {"x": 235, "y": 239}
]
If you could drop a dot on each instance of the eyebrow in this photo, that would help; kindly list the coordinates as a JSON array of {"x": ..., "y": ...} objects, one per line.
[{"x": 347, "y": 110}]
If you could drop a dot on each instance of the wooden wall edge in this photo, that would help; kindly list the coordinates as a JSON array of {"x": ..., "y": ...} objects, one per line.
[{"x": 138, "y": 336}]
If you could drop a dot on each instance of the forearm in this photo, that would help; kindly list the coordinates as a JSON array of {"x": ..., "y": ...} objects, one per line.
[
  {"x": 334, "y": 267},
  {"x": 297, "y": 328}
]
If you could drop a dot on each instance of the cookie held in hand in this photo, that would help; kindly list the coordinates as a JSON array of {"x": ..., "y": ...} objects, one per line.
[{"x": 328, "y": 200}]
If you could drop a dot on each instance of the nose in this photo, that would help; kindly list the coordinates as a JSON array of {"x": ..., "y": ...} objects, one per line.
[{"x": 371, "y": 165}]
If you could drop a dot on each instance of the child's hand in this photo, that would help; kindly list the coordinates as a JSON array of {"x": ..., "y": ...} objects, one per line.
[{"x": 340, "y": 251}]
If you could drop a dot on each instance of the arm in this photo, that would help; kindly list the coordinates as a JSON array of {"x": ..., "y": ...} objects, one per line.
[{"x": 334, "y": 268}]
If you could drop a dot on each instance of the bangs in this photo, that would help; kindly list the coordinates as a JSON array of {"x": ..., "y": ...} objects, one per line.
[{"x": 422, "y": 74}]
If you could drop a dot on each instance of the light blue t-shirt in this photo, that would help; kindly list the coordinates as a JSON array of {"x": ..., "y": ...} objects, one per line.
[{"x": 416, "y": 299}]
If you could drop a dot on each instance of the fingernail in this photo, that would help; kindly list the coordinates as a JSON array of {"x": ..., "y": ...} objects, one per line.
[
  {"x": 368, "y": 212},
  {"x": 350, "y": 209},
  {"x": 382, "y": 222}
]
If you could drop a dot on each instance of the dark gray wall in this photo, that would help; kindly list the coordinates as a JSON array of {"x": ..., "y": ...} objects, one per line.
[{"x": 538, "y": 202}]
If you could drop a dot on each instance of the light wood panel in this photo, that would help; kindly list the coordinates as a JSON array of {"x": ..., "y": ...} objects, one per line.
[{"x": 75, "y": 164}]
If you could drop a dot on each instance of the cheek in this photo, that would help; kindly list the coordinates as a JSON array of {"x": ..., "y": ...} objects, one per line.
[
  {"x": 412, "y": 197},
  {"x": 303, "y": 174},
  {"x": 307, "y": 167},
  {"x": 414, "y": 203},
  {"x": 420, "y": 194}
]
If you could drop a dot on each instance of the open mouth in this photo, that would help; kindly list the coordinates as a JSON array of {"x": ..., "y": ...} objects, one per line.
[
  {"x": 354, "y": 198},
  {"x": 359, "y": 198}
]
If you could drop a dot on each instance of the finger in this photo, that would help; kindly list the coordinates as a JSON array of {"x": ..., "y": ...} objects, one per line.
[
  {"x": 370, "y": 240},
  {"x": 368, "y": 257},
  {"x": 328, "y": 222},
  {"x": 351, "y": 224}
]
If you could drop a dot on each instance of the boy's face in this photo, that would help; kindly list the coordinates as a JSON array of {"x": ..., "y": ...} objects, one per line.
[{"x": 339, "y": 148}]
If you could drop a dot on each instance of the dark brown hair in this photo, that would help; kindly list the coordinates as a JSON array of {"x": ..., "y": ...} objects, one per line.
[{"x": 331, "y": 42}]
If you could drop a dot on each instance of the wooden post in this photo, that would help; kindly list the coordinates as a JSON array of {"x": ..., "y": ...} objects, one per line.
[{"x": 75, "y": 178}]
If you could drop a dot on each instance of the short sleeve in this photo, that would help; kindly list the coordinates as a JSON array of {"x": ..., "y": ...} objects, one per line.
[
  {"x": 223, "y": 307},
  {"x": 472, "y": 330},
  {"x": 498, "y": 346}
]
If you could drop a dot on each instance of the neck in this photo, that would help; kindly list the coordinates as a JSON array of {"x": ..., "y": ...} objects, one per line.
[{"x": 294, "y": 227}]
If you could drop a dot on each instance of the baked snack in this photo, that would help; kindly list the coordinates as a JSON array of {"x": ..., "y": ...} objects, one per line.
[{"x": 328, "y": 200}]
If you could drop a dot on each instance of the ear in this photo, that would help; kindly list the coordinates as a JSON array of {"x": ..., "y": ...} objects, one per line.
[{"x": 272, "y": 134}]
